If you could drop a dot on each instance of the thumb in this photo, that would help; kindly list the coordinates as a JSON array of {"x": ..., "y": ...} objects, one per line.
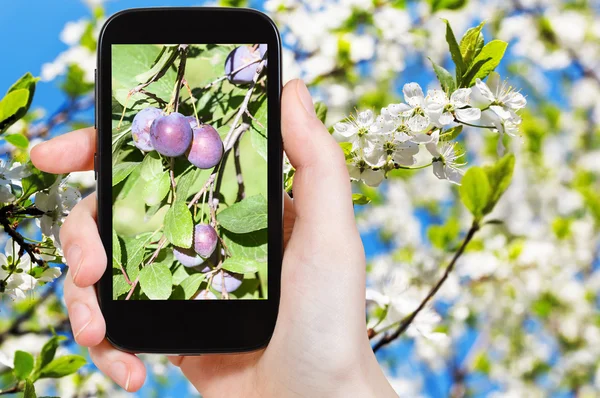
[
  {"x": 324, "y": 258},
  {"x": 322, "y": 191}
]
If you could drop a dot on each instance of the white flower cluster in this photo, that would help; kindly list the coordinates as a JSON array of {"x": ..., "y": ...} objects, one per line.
[
  {"x": 392, "y": 139},
  {"x": 15, "y": 271}
]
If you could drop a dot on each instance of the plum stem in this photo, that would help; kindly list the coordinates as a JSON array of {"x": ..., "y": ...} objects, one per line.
[
  {"x": 193, "y": 100},
  {"x": 172, "y": 175},
  {"x": 241, "y": 194}
]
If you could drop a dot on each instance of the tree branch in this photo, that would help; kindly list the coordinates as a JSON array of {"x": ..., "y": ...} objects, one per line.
[
  {"x": 404, "y": 324},
  {"x": 241, "y": 194}
]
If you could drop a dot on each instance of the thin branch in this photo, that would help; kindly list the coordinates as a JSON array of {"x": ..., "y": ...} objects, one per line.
[
  {"x": 180, "y": 72},
  {"x": 241, "y": 194},
  {"x": 408, "y": 320},
  {"x": 7, "y": 212}
]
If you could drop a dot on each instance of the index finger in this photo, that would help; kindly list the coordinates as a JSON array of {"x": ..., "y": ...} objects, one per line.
[{"x": 66, "y": 153}]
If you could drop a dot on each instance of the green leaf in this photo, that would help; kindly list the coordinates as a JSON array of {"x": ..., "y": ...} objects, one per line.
[
  {"x": 87, "y": 38},
  {"x": 156, "y": 281},
  {"x": 155, "y": 190},
  {"x": 252, "y": 245},
  {"x": 152, "y": 167},
  {"x": 321, "y": 111},
  {"x": 475, "y": 191},
  {"x": 437, "y": 5},
  {"x": 451, "y": 133},
  {"x": 10, "y": 106},
  {"x": 164, "y": 60},
  {"x": 134, "y": 249},
  {"x": 48, "y": 351},
  {"x": 191, "y": 284},
  {"x": 347, "y": 148},
  {"x": 23, "y": 364},
  {"x": 360, "y": 199},
  {"x": 116, "y": 250},
  {"x": 18, "y": 140},
  {"x": 132, "y": 59},
  {"x": 442, "y": 236},
  {"x": 179, "y": 226},
  {"x": 446, "y": 80},
  {"x": 62, "y": 366},
  {"x": 122, "y": 170},
  {"x": 472, "y": 43},
  {"x": 499, "y": 176},
  {"x": 240, "y": 265},
  {"x": 258, "y": 135},
  {"x": 26, "y": 82},
  {"x": 75, "y": 84},
  {"x": 120, "y": 285},
  {"x": 29, "y": 391},
  {"x": 454, "y": 51},
  {"x": 37, "y": 181},
  {"x": 485, "y": 63},
  {"x": 482, "y": 363},
  {"x": 245, "y": 216},
  {"x": 186, "y": 181}
]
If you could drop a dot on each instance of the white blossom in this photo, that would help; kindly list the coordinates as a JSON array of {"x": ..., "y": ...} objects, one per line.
[{"x": 56, "y": 205}]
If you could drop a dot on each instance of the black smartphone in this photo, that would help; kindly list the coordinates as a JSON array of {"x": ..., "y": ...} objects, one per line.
[{"x": 189, "y": 176}]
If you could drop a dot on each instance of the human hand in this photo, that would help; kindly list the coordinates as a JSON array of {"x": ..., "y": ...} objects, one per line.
[{"x": 320, "y": 345}]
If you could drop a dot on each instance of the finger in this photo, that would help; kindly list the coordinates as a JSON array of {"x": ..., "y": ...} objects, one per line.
[
  {"x": 69, "y": 152},
  {"x": 125, "y": 369},
  {"x": 84, "y": 252},
  {"x": 86, "y": 319},
  {"x": 324, "y": 255},
  {"x": 219, "y": 375},
  {"x": 321, "y": 183},
  {"x": 289, "y": 217}
]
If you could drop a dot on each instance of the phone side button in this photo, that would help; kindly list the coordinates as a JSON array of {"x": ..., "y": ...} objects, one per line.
[
  {"x": 95, "y": 98},
  {"x": 95, "y": 167}
]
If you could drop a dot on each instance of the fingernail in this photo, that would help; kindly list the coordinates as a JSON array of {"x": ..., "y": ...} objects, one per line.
[
  {"x": 80, "y": 317},
  {"x": 305, "y": 98},
  {"x": 74, "y": 259},
  {"x": 119, "y": 372}
]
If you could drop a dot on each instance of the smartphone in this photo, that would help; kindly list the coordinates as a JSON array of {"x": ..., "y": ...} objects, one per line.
[{"x": 189, "y": 178}]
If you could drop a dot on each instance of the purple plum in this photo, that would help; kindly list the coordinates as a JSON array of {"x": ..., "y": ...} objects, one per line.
[
  {"x": 205, "y": 295},
  {"x": 171, "y": 135},
  {"x": 140, "y": 128},
  {"x": 232, "y": 281},
  {"x": 193, "y": 121},
  {"x": 205, "y": 240},
  {"x": 187, "y": 257},
  {"x": 241, "y": 56},
  {"x": 206, "y": 149}
]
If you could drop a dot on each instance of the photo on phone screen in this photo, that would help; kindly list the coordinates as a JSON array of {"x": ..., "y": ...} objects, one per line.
[{"x": 188, "y": 189}]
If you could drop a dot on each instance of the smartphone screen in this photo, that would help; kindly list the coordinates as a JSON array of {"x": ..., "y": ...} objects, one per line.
[{"x": 189, "y": 171}]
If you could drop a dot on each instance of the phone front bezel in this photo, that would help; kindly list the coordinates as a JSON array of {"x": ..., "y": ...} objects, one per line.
[{"x": 192, "y": 326}]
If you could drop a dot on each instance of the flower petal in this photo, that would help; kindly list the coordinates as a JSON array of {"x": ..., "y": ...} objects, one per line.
[
  {"x": 413, "y": 94},
  {"x": 468, "y": 114}
]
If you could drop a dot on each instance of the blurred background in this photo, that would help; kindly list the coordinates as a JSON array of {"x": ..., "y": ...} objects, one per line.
[{"x": 519, "y": 314}]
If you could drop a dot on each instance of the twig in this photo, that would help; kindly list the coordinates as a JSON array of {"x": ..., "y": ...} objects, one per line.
[
  {"x": 233, "y": 72},
  {"x": 180, "y": 72},
  {"x": 407, "y": 321},
  {"x": 5, "y": 213},
  {"x": 172, "y": 175},
  {"x": 241, "y": 194}
]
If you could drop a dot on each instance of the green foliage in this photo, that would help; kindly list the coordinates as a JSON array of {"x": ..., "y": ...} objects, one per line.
[
  {"x": 482, "y": 363},
  {"x": 445, "y": 78},
  {"x": 37, "y": 181},
  {"x": 245, "y": 216},
  {"x": 451, "y": 134},
  {"x": 18, "y": 140},
  {"x": 475, "y": 191},
  {"x": 482, "y": 187},
  {"x": 259, "y": 131},
  {"x": 23, "y": 365},
  {"x": 444, "y": 236},
  {"x": 454, "y": 51},
  {"x": 29, "y": 390},
  {"x": 122, "y": 170},
  {"x": 74, "y": 84},
  {"x": 191, "y": 284},
  {"x": 321, "y": 111},
  {"x": 62, "y": 366},
  {"x": 17, "y": 101},
  {"x": 485, "y": 63},
  {"x": 179, "y": 225},
  {"x": 472, "y": 43},
  {"x": 360, "y": 199},
  {"x": 437, "y": 5},
  {"x": 48, "y": 352},
  {"x": 156, "y": 281},
  {"x": 240, "y": 265}
]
